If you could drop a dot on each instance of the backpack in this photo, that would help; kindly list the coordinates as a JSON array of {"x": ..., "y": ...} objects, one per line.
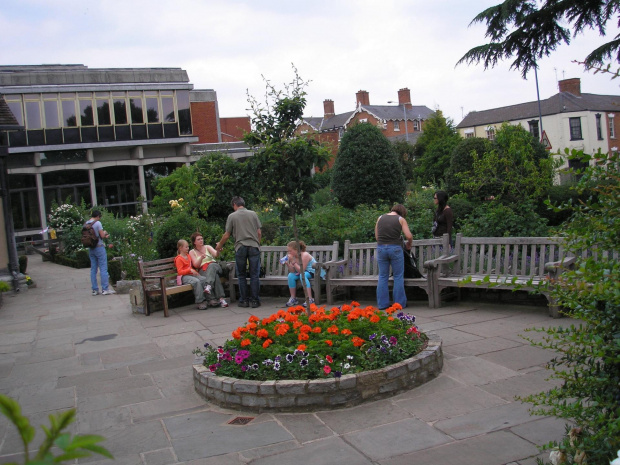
[
  {"x": 411, "y": 268},
  {"x": 89, "y": 236}
]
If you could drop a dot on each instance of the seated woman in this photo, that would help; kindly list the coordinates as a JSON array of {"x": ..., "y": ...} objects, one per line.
[
  {"x": 203, "y": 259},
  {"x": 189, "y": 275},
  {"x": 298, "y": 259}
]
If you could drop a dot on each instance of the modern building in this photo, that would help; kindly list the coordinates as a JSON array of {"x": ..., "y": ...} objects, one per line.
[
  {"x": 101, "y": 135},
  {"x": 570, "y": 120},
  {"x": 398, "y": 122}
]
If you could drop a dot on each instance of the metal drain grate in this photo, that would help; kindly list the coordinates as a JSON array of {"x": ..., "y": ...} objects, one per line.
[{"x": 240, "y": 420}]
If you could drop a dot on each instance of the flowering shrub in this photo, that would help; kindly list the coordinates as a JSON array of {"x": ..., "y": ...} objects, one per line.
[
  {"x": 327, "y": 343},
  {"x": 65, "y": 216}
]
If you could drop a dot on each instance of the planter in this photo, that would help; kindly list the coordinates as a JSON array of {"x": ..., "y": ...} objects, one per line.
[{"x": 321, "y": 394}]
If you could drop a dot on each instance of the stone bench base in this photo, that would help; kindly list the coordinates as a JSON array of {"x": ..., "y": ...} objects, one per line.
[{"x": 319, "y": 394}]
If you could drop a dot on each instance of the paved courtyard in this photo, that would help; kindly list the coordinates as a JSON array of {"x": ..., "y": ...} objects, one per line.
[{"x": 130, "y": 378}]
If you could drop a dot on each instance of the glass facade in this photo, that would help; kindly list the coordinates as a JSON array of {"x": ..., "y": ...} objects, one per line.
[{"x": 166, "y": 112}]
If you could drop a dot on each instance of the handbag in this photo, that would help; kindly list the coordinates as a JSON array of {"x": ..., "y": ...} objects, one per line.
[{"x": 411, "y": 267}]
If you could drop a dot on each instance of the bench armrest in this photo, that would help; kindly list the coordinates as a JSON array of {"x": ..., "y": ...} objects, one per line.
[
  {"x": 442, "y": 260},
  {"x": 332, "y": 263},
  {"x": 551, "y": 266}
]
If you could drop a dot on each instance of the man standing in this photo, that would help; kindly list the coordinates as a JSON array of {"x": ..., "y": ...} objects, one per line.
[
  {"x": 99, "y": 258},
  {"x": 244, "y": 226}
]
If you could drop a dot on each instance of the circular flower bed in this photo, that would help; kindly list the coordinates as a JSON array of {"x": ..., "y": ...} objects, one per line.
[{"x": 293, "y": 345}]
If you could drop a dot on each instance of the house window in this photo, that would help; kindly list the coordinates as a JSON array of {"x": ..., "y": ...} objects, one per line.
[
  {"x": 575, "y": 128},
  {"x": 469, "y": 135},
  {"x": 599, "y": 129},
  {"x": 396, "y": 125},
  {"x": 363, "y": 120},
  {"x": 534, "y": 129},
  {"x": 491, "y": 133},
  {"x": 612, "y": 132},
  {"x": 416, "y": 125}
]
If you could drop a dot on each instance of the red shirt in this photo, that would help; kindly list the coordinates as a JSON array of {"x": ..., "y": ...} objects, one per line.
[{"x": 183, "y": 264}]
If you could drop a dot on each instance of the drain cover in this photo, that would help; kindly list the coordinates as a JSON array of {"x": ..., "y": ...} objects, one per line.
[{"x": 240, "y": 420}]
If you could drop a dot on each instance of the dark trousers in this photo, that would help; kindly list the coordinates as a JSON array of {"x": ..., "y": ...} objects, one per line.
[{"x": 245, "y": 256}]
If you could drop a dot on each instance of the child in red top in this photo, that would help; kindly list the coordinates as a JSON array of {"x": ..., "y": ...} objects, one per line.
[{"x": 189, "y": 275}]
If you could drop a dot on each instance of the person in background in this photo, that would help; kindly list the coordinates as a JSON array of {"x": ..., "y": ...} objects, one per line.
[
  {"x": 388, "y": 230},
  {"x": 298, "y": 259},
  {"x": 244, "y": 225},
  {"x": 189, "y": 275},
  {"x": 444, "y": 218},
  {"x": 99, "y": 257},
  {"x": 203, "y": 259}
]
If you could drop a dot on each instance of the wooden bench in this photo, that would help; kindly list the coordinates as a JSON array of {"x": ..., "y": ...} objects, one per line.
[
  {"x": 276, "y": 274},
  {"x": 359, "y": 266},
  {"x": 499, "y": 263},
  {"x": 159, "y": 278}
]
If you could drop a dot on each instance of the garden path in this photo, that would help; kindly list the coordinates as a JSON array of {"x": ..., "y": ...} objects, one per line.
[{"x": 130, "y": 378}]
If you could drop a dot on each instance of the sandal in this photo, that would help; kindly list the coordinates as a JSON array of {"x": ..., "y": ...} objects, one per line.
[
  {"x": 213, "y": 303},
  {"x": 201, "y": 306}
]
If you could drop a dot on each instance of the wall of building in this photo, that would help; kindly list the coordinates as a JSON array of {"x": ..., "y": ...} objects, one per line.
[
  {"x": 204, "y": 121},
  {"x": 4, "y": 251},
  {"x": 234, "y": 128}
]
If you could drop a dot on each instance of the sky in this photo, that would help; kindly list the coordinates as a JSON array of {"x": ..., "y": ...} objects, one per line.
[{"x": 340, "y": 46}]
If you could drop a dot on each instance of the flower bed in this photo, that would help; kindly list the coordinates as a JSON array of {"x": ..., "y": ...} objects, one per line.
[{"x": 337, "y": 357}]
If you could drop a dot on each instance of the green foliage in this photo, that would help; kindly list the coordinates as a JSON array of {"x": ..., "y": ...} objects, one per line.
[
  {"x": 462, "y": 161},
  {"x": 420, "y": 207},
  {"x": 284, "y": 160},
  {"x": 405, "y": 152},
  {"x": 181, "y": 226},
  {"x": 4, "y": 286},
  {"x": 494, "y": 219},
  {"x": 58, "y": 446},
  {"x": 23, "y": 263},
  {"x": 367, "y": 169},
  {"x": 528, "y": 32},
  {"x": 434, "y": 148},
  {"x": 206, "y": 186},
  {"x": 560, "y": 195},
  {"x": 65, "y": 216},
  {"x": 514, "y": 170},
  {"x": 324, "y": 178},
  {"x": 588, "y": 355}
]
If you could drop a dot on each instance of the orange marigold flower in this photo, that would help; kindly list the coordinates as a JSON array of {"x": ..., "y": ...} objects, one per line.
[
  {"x": 245, "y": 342},
  {"x": 303, "y": 336},
  {"x": 301, "y": 347},
  {"x": 390, "y": 318},
  {"x": 375, "y": 319},
  {"x": 236, "y": 334},
  {"x": 355, "y": 304},
  {"x": 251, "y": 326},
  {"x": 333, "y": 329},
  {"x": 314, "y": 318},
  {"x": 346, "y": 308},
  {"x": 346, "y": 332},
  {"x": 253, "y": 319},
  {"x": 329, "y": 342},
  {"x": 263, "y": 333},
  {"x": 316, "y": 329},
  {"x": 267, "y": 343},
  {"x": 397, "y": 306},
  {"x": 281, "y": 314},
  {"x": 282, "y": 329},
  {"x": 297, "y": 324},
  {"x": 357, "y": 341},
  {"x": 305, "y": 329}
]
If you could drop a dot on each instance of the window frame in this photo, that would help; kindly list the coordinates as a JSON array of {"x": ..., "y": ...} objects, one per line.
[{"x": 575, "y": 132}]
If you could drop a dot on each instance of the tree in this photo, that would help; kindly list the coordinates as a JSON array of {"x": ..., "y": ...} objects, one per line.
[
  {"x": 522, "y": 29},
  {"x": 405, "y": 152},
  {"x": 462, "y": 160},
  {"x": 283, "y": 162},
  {"x": 434, "y": 147},
  {"x": 367, "y": 169},
  {"x": 517, "y": 168}
]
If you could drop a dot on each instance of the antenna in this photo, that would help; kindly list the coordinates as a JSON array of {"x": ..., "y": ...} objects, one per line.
[
  {"x": 462, "y": 113},
  {"x": 556, "y": 75}
]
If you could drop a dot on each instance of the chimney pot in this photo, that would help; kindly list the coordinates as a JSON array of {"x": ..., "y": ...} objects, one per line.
[
  {"x": 362, "y": 98},
  {"x": 404, "y": 97},
  {"x": 328, "y": 108}
]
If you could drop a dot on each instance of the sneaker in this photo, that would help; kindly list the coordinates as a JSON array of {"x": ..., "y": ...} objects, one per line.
[
  {"x": 255, "y": 303},
  {"x": 292, "y": 302},
  {"x": 311, "y": 300},
  {"x": 208, "y": 288},
  {"x": 95, "y": 292},
  {"x": 108, "y": 292},
  {"x": 243, "y": 303},
  {"x": 202, "y": 306},
  {"x": 223, "y": 303}
]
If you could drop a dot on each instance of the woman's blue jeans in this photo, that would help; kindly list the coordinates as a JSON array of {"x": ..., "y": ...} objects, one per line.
[
  {"x": 391, "y": 255},
  {"x": 98, "y": 259}
]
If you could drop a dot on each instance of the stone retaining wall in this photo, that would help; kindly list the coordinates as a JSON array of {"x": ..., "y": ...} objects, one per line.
[{"x": 309, "y": 395}]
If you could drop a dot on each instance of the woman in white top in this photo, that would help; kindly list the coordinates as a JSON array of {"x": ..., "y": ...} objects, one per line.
[{"x": 203, "y": 259}]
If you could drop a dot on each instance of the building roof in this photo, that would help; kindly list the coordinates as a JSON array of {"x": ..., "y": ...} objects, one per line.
[
  {"x": 563, "y": 102},
  {"x": 7, "y": 119},
  {"x": 62, "y": 75}
]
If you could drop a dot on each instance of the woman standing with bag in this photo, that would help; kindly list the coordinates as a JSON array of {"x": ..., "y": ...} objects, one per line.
[
  {"x": 388, "y": 230},
  {"x": 444, "y": 218}
]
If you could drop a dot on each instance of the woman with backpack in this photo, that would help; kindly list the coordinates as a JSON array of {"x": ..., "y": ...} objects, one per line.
[{"x": 93, "y": 235}]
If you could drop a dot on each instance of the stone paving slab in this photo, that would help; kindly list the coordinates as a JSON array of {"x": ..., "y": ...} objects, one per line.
[
  {"x": 518, "y": 358},
  {"x": 363, "y": 416},
  {"x": 481, "y": 346},
  {"x": 475, "y": 371},
  {"x": 304, "y": 427},
  {"x": 523, "y": 385}
]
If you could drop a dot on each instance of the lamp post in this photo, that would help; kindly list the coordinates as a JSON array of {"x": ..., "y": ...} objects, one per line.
[{"x": 405, "y": 115}]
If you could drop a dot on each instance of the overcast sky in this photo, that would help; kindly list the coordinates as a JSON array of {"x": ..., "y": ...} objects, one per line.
[{"x": 341, "y": 46}]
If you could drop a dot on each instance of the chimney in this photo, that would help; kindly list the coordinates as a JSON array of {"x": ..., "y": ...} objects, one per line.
[
  {"x": 328, "y": 108},
  {"x": 404, "y": 97},
  {"x": 571, "y": 85},
  {"x": 362, "y": 98}
]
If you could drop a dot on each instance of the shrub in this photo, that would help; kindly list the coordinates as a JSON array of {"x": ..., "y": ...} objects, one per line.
[
  {"x": 587, "y": 364},
  {"x": 65, "y": 216},
  {"x": 367, "y": 169},
  {"x": 4, "y": 286},
  {"x": 462, "y": 160},
  {"x": 493, "y": 219},
  {"x": 419, "y": 205},
  {"x": 181, "y": 226}
]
